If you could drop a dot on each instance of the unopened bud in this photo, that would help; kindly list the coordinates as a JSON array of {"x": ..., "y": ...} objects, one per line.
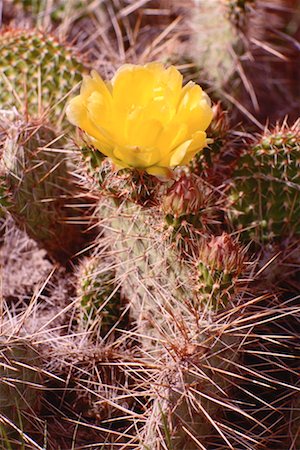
[
  {"x": 220, "y": 263},
  {"x": 185, "y": 197}
]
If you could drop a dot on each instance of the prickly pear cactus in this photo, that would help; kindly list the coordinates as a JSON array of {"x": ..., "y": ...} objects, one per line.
[
  {"x": 100, "y": 297},
  {"x": 38, "y": 188},
  {"x": 149, "y": 267},
  {"x": 37, "y": 71},
  {"x": 20, "y": 384},
  {"x": 265, "y": 187}
]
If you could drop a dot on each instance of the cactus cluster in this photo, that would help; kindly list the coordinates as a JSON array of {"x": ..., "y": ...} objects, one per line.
[{"x": 163, "y": 334}]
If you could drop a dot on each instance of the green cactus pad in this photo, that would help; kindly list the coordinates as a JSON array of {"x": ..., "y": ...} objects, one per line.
[
  {"x": 265, "y": 193},
  {"x": 39, "y": 190},
  {"x": 100, "y": 297},
  {"x": 36, "y": 71}
]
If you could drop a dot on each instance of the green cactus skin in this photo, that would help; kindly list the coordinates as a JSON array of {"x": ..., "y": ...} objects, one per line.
[
  {"x": 148, "y": 266},
  {"x": 36, "y": 71},
  {"x": 100, "y": 297},
  {"x": 20, "y": 384},
  {"x": 40, "y": 191},
  {"x": 265, "y": 190},
  {"x": 58, "y": 10}
]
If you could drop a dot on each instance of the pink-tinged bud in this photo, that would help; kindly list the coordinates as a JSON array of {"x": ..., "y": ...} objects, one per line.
[
  {"x": 223, "y": 253},
  {"x": 221, "y": 260},
  {"x": 185, "y": 197}
]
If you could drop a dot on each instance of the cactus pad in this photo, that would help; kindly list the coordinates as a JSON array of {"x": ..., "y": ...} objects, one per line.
[
  {"x": 100, "y": 297},
  {"x": 37, "y": 71},
  {"x": 38, "y": 188},
  {"x": 265, "y": 190}
]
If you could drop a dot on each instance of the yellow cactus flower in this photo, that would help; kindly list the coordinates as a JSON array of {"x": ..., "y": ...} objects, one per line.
[{"x": 144, "y": 118}]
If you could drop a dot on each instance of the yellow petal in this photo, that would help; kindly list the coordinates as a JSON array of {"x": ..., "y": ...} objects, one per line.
[
  {"x": 194, "y": 109},
  {"x": 103, "y": 147},
  {"x": 143, "y": 134},
  {"x": 132, "y": 87},
  {"x": 161, "y": 172},
  {"x": 136, "y": 157},
  {"x": 179, "y": 153},
  {"x": 172, "y": 136},
  {"x": 77, "y": 114},
  {"x": 94, "y": 83},
  {"x": 197, "y": 144},
  {"x": 99, "y": 110}
]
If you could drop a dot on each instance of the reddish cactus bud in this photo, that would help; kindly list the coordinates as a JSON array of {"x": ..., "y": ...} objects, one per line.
[
  {"x": 223, "y": 253},
  {"x": 220, "y": 263},
  {"x": 185, "y": 197}
]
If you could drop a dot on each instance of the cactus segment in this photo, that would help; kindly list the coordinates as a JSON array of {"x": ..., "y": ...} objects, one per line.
[
  {"x": 41, "y": 191},
  {"x": 265, "y": 193},
  {"x": 100, "y": 297},
  {"x": 36, "y": 72}
]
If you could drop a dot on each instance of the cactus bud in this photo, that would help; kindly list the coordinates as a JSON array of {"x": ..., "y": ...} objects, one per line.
[
  {"x": 221, "y": 261},
  {"x": 184, "y": 198},
  {"x": 188, "y": 205}
]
